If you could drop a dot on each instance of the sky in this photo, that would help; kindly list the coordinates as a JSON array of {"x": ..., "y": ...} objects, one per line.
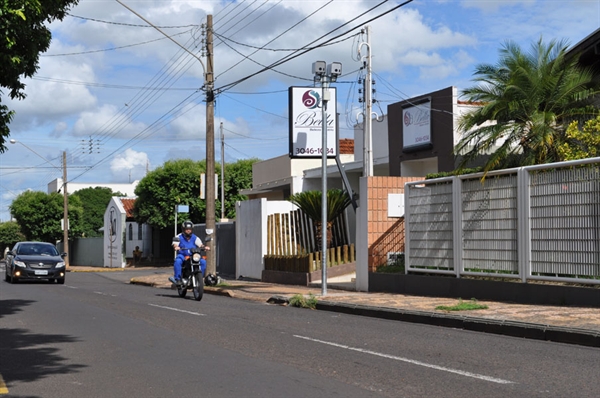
[{"x": 119, "y": 98}]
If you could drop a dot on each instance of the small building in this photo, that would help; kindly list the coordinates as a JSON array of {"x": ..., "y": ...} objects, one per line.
[{"x": 122, "y": 234}]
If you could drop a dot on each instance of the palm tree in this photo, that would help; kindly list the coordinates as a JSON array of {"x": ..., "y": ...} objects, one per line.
[
  {"x": 526, "y": 103},
  {"x": 310, "y": 203}
]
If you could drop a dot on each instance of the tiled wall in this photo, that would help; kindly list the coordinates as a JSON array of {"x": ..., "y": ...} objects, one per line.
[{"x": 379, "y": 223}]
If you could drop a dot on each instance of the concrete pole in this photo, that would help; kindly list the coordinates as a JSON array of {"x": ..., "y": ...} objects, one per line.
[
  {"x": 211, "y": 263},
  {"x": 65, "y": 211},
  {"x": 369, "y": 107},
  {"x": 222, "y": 173},
  {"x": 325, "y": 98}
]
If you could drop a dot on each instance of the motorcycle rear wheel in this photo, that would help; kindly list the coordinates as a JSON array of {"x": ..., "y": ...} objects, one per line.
[
  {"x": 199, "y": 288},
  {"x": 182, "y": 291}
]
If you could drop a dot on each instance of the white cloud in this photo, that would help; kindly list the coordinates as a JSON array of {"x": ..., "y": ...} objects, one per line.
[
  {"x": 106, "y": 121},
  {"x": 129, "y": 165}
]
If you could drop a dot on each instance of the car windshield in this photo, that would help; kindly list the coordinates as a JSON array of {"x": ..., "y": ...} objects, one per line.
[{"x": 34, "y": 249}]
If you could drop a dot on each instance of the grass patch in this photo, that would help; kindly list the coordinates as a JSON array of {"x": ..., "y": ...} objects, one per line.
[
  {"x": 298, "y": 300},
  {"x": 463, "y": 306},
  {"x": 223, "y": 284},
  {"x": 391, "y": 269}
]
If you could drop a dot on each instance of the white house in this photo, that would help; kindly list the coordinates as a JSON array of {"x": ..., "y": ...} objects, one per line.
[{"x": 122, "y": 234}]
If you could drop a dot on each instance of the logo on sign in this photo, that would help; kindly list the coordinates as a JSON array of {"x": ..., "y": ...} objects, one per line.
[
  {"x": 310, "y": 99},
  {"x": 419, "y": 118}
]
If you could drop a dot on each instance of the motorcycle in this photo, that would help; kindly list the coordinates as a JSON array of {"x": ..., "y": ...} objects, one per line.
[{"x": 192, "y": 277}]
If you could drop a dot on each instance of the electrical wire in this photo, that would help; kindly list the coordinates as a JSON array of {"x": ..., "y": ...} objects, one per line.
[
  {"x": 112, "y": 48},
  {"x": 127, "y": 24},
  {"x": 308, "y": 49},
  {"x": 279, "y": 35}
]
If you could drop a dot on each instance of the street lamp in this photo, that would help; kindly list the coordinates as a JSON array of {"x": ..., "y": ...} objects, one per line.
[
  {"x": 324, "y": 74},
  {"x": 65, "y": 197}
]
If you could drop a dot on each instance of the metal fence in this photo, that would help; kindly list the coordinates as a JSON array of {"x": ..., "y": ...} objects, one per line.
[{"x": 537, "y": 222}]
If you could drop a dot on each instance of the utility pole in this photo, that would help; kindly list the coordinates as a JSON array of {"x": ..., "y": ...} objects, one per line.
[
  {"x": 211, "y": 263},
  {"x": 65, "y": 211},
  {"x": 368, "y": 132},
  {"x": 325, "y": 74},
  {"x": 210, "y": 132},
  {"x": 222, "y": 173}
]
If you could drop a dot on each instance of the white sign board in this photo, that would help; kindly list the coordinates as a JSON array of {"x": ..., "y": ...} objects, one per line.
[
  {"x": 203, "y": 186},
  {"x": 416, "y": 123},
  {"x": 306, "y": 117}
]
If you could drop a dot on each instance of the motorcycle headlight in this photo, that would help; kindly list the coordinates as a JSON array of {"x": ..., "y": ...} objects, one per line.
[
  {"x": 20, "y": 264},
  {"x": 196, "y": 257},
  {"x": 59, "y": 265}
]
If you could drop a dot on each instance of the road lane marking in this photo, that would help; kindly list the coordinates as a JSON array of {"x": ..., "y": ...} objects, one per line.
[
  {"x": 411, "y": 361},
  {"x": 105, "y": 294},
  {"x": 3, "y": 388},
  {"x": 178, "y": 310}
]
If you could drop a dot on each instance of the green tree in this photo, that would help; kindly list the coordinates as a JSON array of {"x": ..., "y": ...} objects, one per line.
[
  {"x": 39, "y": 214},
  {"x": 23, "y": 37},
  {"x": 310, "y": 203},
  {"x": 238, "y": 176},
  {"x": 581, "y": 144},
  {"x": 94, "y": 202},
  {"x": 10, "y": 233},
  {"x": 527, "y": 100},
  {"x": 177, "y": 182}
]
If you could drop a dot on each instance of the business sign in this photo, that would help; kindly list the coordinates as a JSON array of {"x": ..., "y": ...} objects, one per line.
[
  {"x": 416, "y": 126},
  {"x": 306, "y": 118}
]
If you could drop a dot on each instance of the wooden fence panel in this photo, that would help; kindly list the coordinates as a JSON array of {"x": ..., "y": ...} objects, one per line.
[{"x": 294, "y": 233}]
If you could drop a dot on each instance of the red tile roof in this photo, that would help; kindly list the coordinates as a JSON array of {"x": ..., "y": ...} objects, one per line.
[
  {"x": 128, "y": 205},
  {"x": 346, "y": 146}
]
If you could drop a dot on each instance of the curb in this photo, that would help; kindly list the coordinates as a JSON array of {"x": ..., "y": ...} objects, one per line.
[{"x": 508, "y": 328}]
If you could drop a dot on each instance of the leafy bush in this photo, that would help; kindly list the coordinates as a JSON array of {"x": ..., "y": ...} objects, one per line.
[{"x": 298, "y": 300}]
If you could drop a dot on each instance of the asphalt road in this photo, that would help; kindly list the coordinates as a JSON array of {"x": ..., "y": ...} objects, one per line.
[{"x": 97, "y": 336}]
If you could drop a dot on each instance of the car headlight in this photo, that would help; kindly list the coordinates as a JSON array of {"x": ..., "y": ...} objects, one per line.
[
  {"x": 59, "y": 265},
  {"x": 196, "y": 257},
  {"x": 20, "y": 264}
]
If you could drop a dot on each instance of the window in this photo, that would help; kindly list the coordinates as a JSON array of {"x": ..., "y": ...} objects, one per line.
[
  {"x": 130, "y": 232},
  {"x": 139, "y": 231}
]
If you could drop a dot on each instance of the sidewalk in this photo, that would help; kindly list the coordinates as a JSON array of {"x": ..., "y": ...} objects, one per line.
[{"x": 574, "y": 325}]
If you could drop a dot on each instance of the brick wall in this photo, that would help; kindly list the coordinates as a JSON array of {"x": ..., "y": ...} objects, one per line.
[{"x": 385, "y": 234}]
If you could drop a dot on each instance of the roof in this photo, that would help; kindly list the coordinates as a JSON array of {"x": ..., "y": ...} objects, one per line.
[
  {"x": 128, "y": 206},
  {"x": 346, "y": 146}
]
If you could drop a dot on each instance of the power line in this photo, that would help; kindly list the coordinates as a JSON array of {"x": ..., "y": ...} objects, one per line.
[
  {"x": 278, "y": 36},
  {"x": 111, "y": 86},
  {"x": 112, "y": 48},
  {"x": 127, "y": 24},
  {"x": 308, "y": 49}
]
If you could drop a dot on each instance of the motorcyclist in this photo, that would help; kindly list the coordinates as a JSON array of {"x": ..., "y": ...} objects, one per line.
[{"x": 185, "y": 241}]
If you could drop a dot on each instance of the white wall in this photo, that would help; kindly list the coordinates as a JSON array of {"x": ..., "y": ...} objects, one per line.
[
  {"x": 114, "y": 234},
  {"x": 418, "y": 168},
  {"x": 362, "y": 238},
  {"x": 379, "y": 132},
  {"x": 145, "y": 243},
  {"x": 251, "y": 234}
]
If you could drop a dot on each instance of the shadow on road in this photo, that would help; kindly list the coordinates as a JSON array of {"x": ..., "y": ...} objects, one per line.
[{"x": 26, "y": 356}]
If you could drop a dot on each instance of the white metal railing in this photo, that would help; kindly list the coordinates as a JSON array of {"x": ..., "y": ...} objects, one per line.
[{"x": 536, "y": 222}]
